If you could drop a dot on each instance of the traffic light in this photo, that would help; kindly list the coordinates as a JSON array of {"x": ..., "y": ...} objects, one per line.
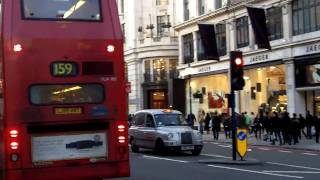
[{"x": 236, "y": 69}]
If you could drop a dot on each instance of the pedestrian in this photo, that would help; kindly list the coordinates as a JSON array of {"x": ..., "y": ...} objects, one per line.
[
  {"x": 257, "y": 126},
  {"x": 302, "y": 121},
  {"x": 201, "y": 118},
  {"x": 285, "y": 128},
  {"x": 276, "y": 124},
  {"x": 295, "y": 128},
  {"x": 191, "y": 119},
  {"x": 216, "y": 125},
  {"x": 309, "y": 124},
  {"x": 226, "y": 125},
  {"x": 207, "y": 122},
  {"x": 317, "y": 128}
]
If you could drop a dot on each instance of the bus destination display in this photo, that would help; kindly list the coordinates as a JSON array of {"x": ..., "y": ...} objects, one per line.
[{"x": 62, "y": 69}]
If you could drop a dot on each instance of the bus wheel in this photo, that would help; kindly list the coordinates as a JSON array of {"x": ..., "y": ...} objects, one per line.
[{"x": 134, "y": 148}]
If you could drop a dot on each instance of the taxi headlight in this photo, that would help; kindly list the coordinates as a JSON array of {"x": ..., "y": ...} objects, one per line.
[{"x": 170, "y": 135}]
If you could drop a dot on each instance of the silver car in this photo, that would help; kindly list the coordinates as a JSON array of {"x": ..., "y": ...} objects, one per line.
[{"x": 161, "y": 130}]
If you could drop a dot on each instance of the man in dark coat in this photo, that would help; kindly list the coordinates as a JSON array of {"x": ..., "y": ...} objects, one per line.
[
  {"x": 191, "y": 119},
  {"x": 309, "y": 124}
]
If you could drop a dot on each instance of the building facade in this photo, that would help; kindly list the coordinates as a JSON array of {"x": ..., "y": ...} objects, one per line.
[
  {"x": 287, "y": 78},
  {"x": 151, "y": 50}
]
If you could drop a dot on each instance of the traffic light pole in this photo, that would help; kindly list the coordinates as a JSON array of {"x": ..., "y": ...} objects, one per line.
[{"x": 234, "y": 124}]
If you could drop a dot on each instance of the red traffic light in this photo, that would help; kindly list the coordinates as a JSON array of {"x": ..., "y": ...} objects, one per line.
[{"x": 239, "y": 61}]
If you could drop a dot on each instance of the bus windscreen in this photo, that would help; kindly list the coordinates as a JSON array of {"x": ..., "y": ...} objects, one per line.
[
  {"x": 87, "y": 10},
  {"x": 61, "y": 94}
]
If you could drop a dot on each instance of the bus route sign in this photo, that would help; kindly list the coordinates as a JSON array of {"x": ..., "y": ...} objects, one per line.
[{"x": 63, "y": 69}]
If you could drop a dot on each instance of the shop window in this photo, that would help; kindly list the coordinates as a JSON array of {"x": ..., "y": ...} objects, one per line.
[
  {"x": 306, "y": 16},
  {"x": 221, "y": 39},
  {"x": 274, "y": 23},
  {"x": 242, "y": 32},
  {"x": 188, "y": 48},
  {"x": 200, "y": 51},
  {"x": 186, "y": 10},
  {"x": 201, "y": 6},
  {"x": 265, "y": 90},
  {"x": 162, "y": 2}
]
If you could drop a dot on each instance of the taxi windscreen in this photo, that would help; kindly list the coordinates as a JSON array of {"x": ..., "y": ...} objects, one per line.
[
  {"x": 60, "y": 94},
  {"x": 170, "y": 120},
  {"x": 88, "y": 10}
]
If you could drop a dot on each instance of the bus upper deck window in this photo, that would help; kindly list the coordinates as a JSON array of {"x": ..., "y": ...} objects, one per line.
[{"x": 87, "y": 10}]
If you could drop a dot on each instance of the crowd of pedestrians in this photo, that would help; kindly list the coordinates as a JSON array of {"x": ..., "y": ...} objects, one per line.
[{"x": 274, "y": 127}]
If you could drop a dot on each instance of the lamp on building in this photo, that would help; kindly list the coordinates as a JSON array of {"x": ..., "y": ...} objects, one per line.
[{"x": 188, "y": 72}]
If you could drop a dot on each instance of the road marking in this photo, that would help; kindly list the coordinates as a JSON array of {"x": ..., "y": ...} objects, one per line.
[
  {"x": 285, "y": 151},
  {"x": 166, "y": 159},
  {"x": 215, "y": 143},
  {"x": 264, "y": 149},
  {"x": 249, "y": 150},
  {"x": 256, "y": 172},
  {"x": 293, "y": 172},
  {"x": 310, "y": 154},
  {"x": 226, "y": 146},
  {"x": 216, "y": 155},
  {"x": 290, "y": 165}
]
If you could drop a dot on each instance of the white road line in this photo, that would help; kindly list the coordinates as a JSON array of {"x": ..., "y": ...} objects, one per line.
[
  {"x": 249, "y": 150},
  {"x": 256, "y": 172},
  {"x": 216, "y": 155},
  {"x": 264, "y": 149},
  {"x": 226, "y": 146},
  {"x": 310, "y": 154},
  {"x": 290, "y": 165},
  {"x": 285, "y": 151},
  {"x": 215, "y": 143},
  {"x": 166, "y": 159},
  {"x": 293, "y": 172}
]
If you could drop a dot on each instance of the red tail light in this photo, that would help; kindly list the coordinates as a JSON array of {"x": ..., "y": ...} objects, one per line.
[
  {"x": 121, "y": 128},
  {"x": 14, "y": 145},
  {"x": 17, "y": 48},
  {"x": 122, "y": 139},
  {"x": 13, "y": 133},
  {"x": 110, "y": 48}
]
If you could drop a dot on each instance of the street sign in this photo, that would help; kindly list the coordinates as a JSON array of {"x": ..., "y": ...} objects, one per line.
[{"x": 242, "y": 143}]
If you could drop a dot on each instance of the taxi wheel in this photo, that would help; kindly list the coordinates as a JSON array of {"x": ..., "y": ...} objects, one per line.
[
  {"x": 159, "y": 146},
  {"x": 196, "y": 152},
  {"x": 134, "y": 148}
]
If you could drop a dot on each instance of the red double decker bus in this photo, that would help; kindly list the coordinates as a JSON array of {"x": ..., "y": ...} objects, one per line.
[{"x": 63, "y": 100}]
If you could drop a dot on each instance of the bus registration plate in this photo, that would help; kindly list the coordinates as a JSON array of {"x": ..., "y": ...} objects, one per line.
[{"x": 66, "y": 111}]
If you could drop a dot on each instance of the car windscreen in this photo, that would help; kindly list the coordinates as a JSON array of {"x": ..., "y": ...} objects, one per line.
[
  {"x": 60, "y": 94},
  {"x": 87, "y": 10},
  {"x": 170, "y": 120}
]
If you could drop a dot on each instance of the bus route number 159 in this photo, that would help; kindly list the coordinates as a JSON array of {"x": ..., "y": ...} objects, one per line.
[{"x": 64, "y": 69}]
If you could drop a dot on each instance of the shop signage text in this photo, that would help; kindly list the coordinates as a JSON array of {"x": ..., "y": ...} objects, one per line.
[
  {"x": 205, "y": 69},
  {"x": 259, "y": 58},
  {"x": 313, "y": 48}
]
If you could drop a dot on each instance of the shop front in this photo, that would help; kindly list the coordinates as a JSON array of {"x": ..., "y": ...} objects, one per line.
[
  {"x": 209, "y": 93},
  {"x": 307, "y": 75},
  {"x": 265, "y": 89}
]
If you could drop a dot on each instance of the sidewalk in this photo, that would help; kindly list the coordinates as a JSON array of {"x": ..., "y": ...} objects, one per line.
[{"x": 304, "y": 144}]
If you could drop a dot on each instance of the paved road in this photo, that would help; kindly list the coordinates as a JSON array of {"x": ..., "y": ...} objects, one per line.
[{"x": 277, "y": 164}]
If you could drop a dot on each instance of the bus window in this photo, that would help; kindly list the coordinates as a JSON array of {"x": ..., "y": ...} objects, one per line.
[
  {"x": 66, "y": 94},
  {"x": 88, "y": 10}
]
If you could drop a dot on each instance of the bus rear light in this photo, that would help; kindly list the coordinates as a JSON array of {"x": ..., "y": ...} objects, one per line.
[
  {"x": 122, "y": 139},
  {"x": 14, "y": 145},
  {"x": 13, "y": 133},
  {"x": 14, "y": 157},
  {"x": 121, "y": 128},
  {"x": 17, "y": 48},
  {"x": 111, "y": 48}
]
